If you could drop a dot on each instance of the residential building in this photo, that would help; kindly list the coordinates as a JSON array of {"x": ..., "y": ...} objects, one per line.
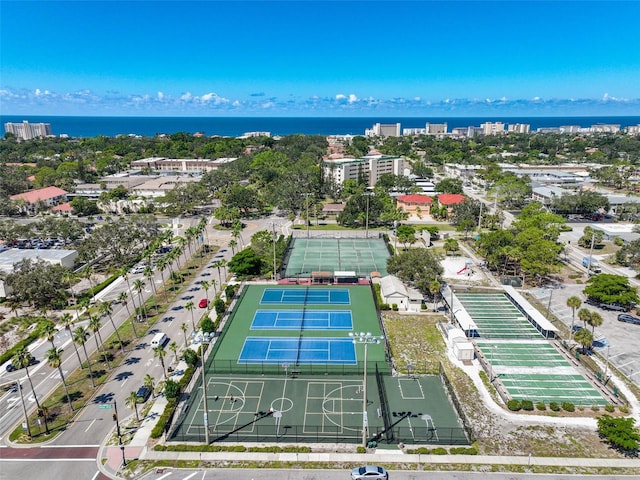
[
  {"x": 27, "y": 131},
  {"x": 369, "y": 168},
  {"x": 492, "y": 128},
  {"x": 449, "y": 200},
  {"x": 394, "y": 292},
  {"x": 415, "y": 204},
  {"x": 49, "y": 197},
  {"x": 159, "y": 186},
  {"x": 179, "y": 165},
  {"x": 519, "y": 128},
  {"x": 383, "y": 130},
  {"x": 546, "y": 195}
]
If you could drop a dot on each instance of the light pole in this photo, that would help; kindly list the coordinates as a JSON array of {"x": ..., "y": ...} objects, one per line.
[
  {"x": 205, "y": 343},
  {"x": 273, "y": 226},
  {"x": 366, "y": 339},
  {"x": 606, "y": 367},
  {"x": 306, "y": 197},
  {"x": 366, "y": 221}
]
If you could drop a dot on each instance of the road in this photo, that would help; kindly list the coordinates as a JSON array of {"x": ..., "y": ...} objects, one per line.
[{"x": 93, "y": 424}]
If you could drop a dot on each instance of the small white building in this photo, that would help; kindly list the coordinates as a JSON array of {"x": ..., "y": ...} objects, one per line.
[
  {"x": 393, "y": 291},
  {"x": 461, "y": 347}
]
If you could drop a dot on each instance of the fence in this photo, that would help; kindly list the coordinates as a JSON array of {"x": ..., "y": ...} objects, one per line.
[{"x": 467, "y": 428}]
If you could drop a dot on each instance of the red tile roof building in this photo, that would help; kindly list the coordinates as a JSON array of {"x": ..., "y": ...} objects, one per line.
[
  {"x": 50, "y": 196},
  {"x": 450, "y": 199},
  {"x": 415, "y": 204}
]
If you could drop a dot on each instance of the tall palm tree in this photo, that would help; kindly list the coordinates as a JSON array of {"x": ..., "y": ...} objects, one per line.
[
  {"x": 184, "y": 327},
  {"x": 68, "y": 321},
  {"x": 584, "y": 315},
  {"x": 139, "y": 286},
  {"x": 190, "y": 306},
  {"x": 123, "y": 297},
  {"x": 205, "y": 285},
  {"x": 173, "y": 346},
  {"x": 54, "y": 359},
  {"x": 149, "y": 381},
  {"x": 434, "y": 289},
  {"x": 88, "y": 273},
  {"x": 80, "y": 337},
  {"x": 148, "y": 273},
  {"x": 105, "y": 308},
  {"x": 573, "y": 303},
  {"x": 159, "y": 352},
  {"x": 132, "y": 402},
  {"x": 595, "y": 320},
  {"x": 95, "y": 325},
  {"x": 162, "y": 266},
  {"x": 22, "y": 359},
  {"x": 233, "y": 244},
  {"x": 48, "y": 331}
]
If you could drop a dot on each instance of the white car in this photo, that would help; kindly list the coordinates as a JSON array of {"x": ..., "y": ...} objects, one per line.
[{"x": 370, "y": 472}]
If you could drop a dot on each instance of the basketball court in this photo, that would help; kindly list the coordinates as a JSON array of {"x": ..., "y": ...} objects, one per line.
[{"x": 286, "y": 369}]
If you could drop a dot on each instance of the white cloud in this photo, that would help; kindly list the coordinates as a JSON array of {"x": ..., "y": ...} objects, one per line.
[
  {"x": 186, "y": 97},
  {"x": 160, "y": 95}
]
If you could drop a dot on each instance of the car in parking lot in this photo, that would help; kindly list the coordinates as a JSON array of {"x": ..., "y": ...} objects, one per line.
[
  {"x": 203, "y": 303},
  {"x": 625, "y": 317},
  {"x": 371, "y": 472},
  {"x": 143, "y": 393},
  {"x": 616, "y": 307}
]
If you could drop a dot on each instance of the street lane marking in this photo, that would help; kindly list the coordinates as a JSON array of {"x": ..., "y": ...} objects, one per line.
[{"x": 93, "y": 421}]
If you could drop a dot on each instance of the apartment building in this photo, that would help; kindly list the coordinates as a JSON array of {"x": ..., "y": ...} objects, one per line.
[
  {"x": 370, "y": 168},
  {"x": 180, "y": 165},
  {"x": 27, "y": 131},
  {"x": 49, "y": 197},
  {"x": 492, "y": 128},
  {"x": 519, "y": 128},
  {"x": 383, "y": 130}
]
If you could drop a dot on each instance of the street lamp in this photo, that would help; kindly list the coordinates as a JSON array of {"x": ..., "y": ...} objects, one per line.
[
  {"x": 273, "y": 226},
  {"x": 206, "y": 338},
  {"x": 366, "y": 222},
  {"x": 306, "y": 196},
  {"x": 366, "y": 339}
]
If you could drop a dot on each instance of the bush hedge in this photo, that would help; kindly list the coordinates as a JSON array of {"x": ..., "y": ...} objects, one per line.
[{"x": 514, "y": 405}]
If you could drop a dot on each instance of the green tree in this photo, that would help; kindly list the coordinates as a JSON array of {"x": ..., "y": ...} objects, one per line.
[
  {"x": 585, "y": 338},
  {"x": 416, "y": 266},
  {"x": 449, "y": 185},
  {"x": 573, "y": 303},
  {"x": 608, "y": 288},
  {"x": 171, "y": 389},
  {"x": 190, "y": 357},
  {"x": 54, "y": 360},
  {"x": 245, "y": 263},
  {"x": 406, "y": 235},
  {"x": 159, "y": 353},
  {"x": 105, "y": 308},
  {"x": 22, "y": 359},
  {"x": 80, "y": 337},
  {"x": 149, "y": 382},
  {"x": 621, "y": 433},
  {"x": 132, "y": 402}
]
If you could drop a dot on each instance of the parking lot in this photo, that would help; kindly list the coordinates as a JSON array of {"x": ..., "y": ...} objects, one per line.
[{"x": 617, "y": 340}]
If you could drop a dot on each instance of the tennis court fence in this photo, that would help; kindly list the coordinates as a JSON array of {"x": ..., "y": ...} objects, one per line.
[
  {"x": 333, "y": 234},
  {"x": 259, "y": 433},
  {"x": 223, "y": 366}
]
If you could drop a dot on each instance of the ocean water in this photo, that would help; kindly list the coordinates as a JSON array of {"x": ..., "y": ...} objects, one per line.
[{"x": 236, "y": 126}]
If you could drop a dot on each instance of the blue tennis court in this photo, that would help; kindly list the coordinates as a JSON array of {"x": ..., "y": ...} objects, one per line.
[
  {"x": 302, "y": 320},
  {"x": 306, "y": 296},
  {"x": 298, "y": 351}
]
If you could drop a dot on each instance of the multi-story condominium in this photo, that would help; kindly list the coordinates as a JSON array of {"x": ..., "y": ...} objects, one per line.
[
  {"x": 368, "y": 168},
  {"x": 519, "y": 128},
  {"x": 180, "y": 165},
  {"x": 633, "y": 129},
  {"x": 492, "y": 128},
  {"x": 27, "y": 131},
  {"x": 383, "y": 130},
  {"x": 47, "y": 197}
]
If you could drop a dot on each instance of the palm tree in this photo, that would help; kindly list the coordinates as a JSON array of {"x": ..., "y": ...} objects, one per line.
[
  {"x": 148, "y": 273},
  {"x": 233, "y": 244},
  {"x": 149, "y": 381},
  {"x": 105, "y": 308},
  {"x": 595, "y": 320},
  {"x": 88, "y": 273},
  {"x": 584, "y": 315},
  {"x": 173, "y": 346},
  {"x": 67, "y": 321},
  {"x": 159, "y": 352},
  {"x": 184, "y": 327},
  {"x": 573, "y": 303},
  {"x": 80, "y": 337},
  {"x": 22, "y": 359},
  {"x": 585, "y": 338},
  {"x": 139, "y": 286},
  {"x": 132, "y": 402},
  {"x": 434, "y": 289},
  {"x": 54, "y": 359},
  {"x": 162, "y": 266},
  {"x": 48, "y": 331},
  {"x": 123, "y": 297},
  {"x": 205, "y": 285},
  {"x": 190, "y": 306},
  {"x": 96, "y": 325}
]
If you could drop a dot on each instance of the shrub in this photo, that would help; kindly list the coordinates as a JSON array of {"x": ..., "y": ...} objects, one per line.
[
  {"x": 595, "y": 408},
  {"x": 541, "y": 406},
  {"x": 623, "y": 409},
  {"x": 514, "y": 405},
  {"x": 609, "y": 408},
  {"x": 361, "y": 449},
  {"x": 619, "y": 432},
  {"x": 439, "y": 451},
  {"x": 568, "y": 407},
  {"x": 527, "y": 405},
  {"x": 394, "y": 307},
  {"x": 554, "y": 406},
  {"x": 463, "y": 451},
  {"x": 171, "y": 389}
]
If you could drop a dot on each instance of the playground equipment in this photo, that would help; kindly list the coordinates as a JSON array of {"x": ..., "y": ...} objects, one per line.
[{"x": 467, "y": 266}]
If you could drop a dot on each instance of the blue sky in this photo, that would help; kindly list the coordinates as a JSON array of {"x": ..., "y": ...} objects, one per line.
[{"x": 313, "y": 58}]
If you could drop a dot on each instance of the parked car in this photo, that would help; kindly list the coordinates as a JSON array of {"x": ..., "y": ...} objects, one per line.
[
  {"x": 143, "y": 393},
  {"x": 12, "y": 368},
  {"x": 371, "y": 472},
  {"x": 616, "y": 307},
  {"x": 625, "y": 317},
  {"x": 203, "y": 303}
]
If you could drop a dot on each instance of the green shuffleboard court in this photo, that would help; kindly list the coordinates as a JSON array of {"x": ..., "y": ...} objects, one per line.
[{"x": 536, "y": 371}]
